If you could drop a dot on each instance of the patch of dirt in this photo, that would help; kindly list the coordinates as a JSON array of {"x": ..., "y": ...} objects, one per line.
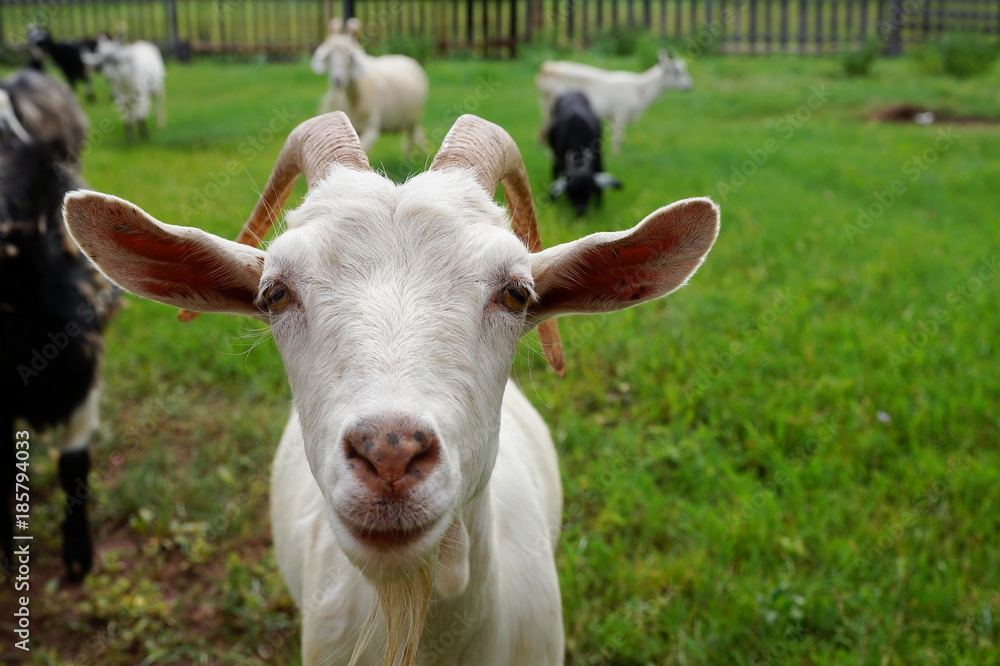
[{"x": 922, "y": 115}]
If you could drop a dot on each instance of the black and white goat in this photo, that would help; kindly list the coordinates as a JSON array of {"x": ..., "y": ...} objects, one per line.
[
  {"x": 53, "y": 304},
  {"x": 574, "y": 135},
  {"x": 68, "y": 57},
  {"x": 136, "y": 74}
]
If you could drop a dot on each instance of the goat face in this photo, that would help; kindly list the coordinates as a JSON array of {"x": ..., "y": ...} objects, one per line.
[
  {"x": 580, "y": 182},
  {"x": 395, "y": 324},
  {"x": 674, "y": 73},
  {"x": 340, "y": 58}
]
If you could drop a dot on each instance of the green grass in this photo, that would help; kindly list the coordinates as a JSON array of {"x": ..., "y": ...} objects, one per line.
[{"x": 791, "y": 461}]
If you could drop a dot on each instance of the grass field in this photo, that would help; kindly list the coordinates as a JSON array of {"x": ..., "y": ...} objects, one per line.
[{"x": 793, "y": 460}]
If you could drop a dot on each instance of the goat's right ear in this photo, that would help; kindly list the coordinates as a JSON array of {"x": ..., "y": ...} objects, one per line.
[{"x": 180, "y": 266}]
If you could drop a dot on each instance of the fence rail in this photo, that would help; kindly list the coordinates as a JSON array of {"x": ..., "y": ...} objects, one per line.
[{"x": 495, "y": 28}]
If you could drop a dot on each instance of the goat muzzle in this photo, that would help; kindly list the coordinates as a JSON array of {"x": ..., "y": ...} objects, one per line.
[{"x": 390, "y": 456}]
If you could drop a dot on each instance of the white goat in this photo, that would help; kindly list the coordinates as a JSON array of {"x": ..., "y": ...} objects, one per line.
[
  {"x": 136, "y": 74},
  {"x": 379, "y": 94},
  {"x": 618, "y": 97},
  {"x": 412, "y": 478}
]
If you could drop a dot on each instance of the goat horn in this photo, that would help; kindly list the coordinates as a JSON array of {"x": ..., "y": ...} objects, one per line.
[
  {"x": 490, "y": 153},
  {"x": 309, "y": 150}
]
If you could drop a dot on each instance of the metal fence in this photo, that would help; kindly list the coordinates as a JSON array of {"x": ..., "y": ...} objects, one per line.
[{"x": 496, "y": 28}]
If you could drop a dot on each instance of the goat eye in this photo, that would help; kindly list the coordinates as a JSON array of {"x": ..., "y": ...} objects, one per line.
[
  {"x": 514, "y": 297},
  {"x": 276, "y": 298}
]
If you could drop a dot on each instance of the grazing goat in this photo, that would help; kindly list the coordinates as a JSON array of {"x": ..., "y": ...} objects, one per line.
[
  {"x": 136, "y": 74},
  {"x": 68, "y": 57},
  {"x": 617, "y": 97},
  {"x": 53, "y": 306},
  {"x": 415, "y": 494},
  {"x": 575, "y": 139},
  {"x": 379, "y": 94}
]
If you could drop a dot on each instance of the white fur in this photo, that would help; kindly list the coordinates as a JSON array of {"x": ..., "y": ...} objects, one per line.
[
  {"x": 394, "y": 305},
  {"x": 136, "y": 74},
  {"x": 379, "y": 94},
  {"x": 618, "y": 97},
  {"x": 390, "y": 342}
]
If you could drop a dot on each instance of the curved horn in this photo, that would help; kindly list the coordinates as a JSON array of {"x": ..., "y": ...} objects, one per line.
[
  {"x": 490, "y": 153},
  {"x": 310, "y": 150}
]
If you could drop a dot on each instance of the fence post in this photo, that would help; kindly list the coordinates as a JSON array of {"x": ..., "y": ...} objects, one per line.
[
  {"x": 348, "y": 9},
  {"x": 893, "y": 44},
  {"x": 175, "y": 38}
]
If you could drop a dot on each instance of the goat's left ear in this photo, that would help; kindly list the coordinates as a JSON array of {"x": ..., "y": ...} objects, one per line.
[
  {"x": 180, "y": 266},
  {"x": 614, "y": 270}
]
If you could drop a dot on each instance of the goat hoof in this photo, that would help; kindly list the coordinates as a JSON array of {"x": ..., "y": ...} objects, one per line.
[{"x": 78, "y": 555}]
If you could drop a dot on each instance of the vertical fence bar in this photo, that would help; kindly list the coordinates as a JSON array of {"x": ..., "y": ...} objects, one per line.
[
  {"x": 802, "y": 26},
  {"x": 469, "y": 24},
  {"x": 513, "y": 28},
  {"x": 783, "y": 35},
  {"x": 849, "y": 23},
  {"x": 818, "y": 37},
  {"x": 834, "y": 22},
  {"x": 723, "y": 32},
  {"x": 570, "y": 20},
  {"x": 892, "y": 40},
  {"x": 863, "y": 22}
]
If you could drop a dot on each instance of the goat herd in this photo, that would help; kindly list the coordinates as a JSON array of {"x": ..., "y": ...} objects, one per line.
[
  {"x": 388, "y": 93},
  {"x": 414, "y": 485}
]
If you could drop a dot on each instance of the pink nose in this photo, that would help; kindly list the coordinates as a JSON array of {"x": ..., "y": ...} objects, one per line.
[{"x": 391, "y": 455}]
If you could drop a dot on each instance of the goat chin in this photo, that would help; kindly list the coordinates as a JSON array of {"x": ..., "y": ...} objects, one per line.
[{"x": 403, "y": 605}]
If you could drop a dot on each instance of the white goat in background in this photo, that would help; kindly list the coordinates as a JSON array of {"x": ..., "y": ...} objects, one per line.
[
  {"x": 136, "y": 74},
  {"x": 618, "y": 97},
  {"x": 416, "y": 499},
  {"x": 379, "y": 94}
]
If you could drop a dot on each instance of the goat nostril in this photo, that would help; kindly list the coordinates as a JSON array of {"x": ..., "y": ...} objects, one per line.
[{"x": 393, "y": 453}]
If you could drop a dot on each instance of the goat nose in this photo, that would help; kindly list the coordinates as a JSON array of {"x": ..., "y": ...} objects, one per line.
[{"x": 391, "y": 454}]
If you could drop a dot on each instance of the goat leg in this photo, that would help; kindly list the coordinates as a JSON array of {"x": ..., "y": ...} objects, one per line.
[{"x": 74, "y": 466}]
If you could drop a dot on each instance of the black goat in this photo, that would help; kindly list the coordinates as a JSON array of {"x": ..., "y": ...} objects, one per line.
[
  {"x": 68, "y": 58},
  {"x": 53, "y": 307},
  {"x": 34, "y": 106},
  {"x": 574, "y": 135}
]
